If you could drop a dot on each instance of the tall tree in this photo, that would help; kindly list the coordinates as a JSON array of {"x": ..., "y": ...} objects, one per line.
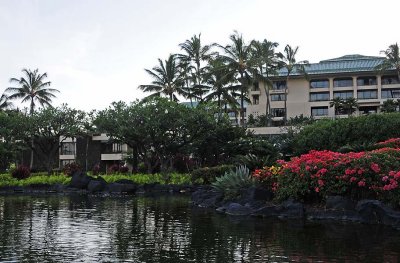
[
  {"x": 391, "y": 61},
  {"x": 195, "y": 54},
  {"x": 265, "y": 62},
  {"x": 32, "y": 88},
  {"x": 237, "y": 58},
  {"x": 220, "y": 83},
  {"x": 5, "y": 103},
  {"x": 337, "y": 104},
  {"x": 288, "y": 62}
]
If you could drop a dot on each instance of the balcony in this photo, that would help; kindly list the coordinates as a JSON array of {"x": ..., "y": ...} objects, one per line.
[
  {"x": 112, "y": 156},
  {"x": 67, "y": 157},
  {"x": 100, "y": 137}
]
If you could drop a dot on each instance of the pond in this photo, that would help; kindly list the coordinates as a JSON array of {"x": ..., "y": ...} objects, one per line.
[{"x": 168, "y": 229}]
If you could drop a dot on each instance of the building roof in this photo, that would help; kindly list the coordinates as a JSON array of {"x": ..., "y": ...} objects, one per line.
[{"x": 344, "y": 64}]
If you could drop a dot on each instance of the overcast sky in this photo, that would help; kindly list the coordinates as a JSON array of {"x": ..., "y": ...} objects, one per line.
[{"x": 95, "y": 51}]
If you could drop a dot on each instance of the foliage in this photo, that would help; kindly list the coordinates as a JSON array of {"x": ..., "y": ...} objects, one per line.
[
  {"x": 233, "y": 181},
  {"x": 253, "y": 161},
  {"x": 173, "y": 178},
  {"x": 21, "y": 172},
  {"x": 117, "y": 169},
  {"x": 8, "y": 180},
  {"x": 71, "y": 168},
  {"x": 334, "y": 134},
  {"x": 390, "y": 105},
  {"x": 209, "y": 174}
]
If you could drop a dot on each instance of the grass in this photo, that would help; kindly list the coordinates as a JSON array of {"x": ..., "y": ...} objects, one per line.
[{"x": 42, "y": 178}]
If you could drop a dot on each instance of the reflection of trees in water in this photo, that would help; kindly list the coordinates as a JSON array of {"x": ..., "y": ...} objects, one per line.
[{"x": 164, "y": 229}]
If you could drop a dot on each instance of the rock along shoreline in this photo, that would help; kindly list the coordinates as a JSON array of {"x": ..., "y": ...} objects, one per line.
[{"x": 257, "y": 202}]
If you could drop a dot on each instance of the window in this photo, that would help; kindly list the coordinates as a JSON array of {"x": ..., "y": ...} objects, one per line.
[
  {"x": 343, "y": 94},
  {"x": 368, "y": 110},
  {"x": 319, "y": 111},
  {"x": 390, "y": 93},
  {"x": 343, "y": 82},
  {"x": 68, "y": 148},
  {"x": 278, "y": 97},
  {"x": 366, "y": 81},
  {"x": 387, "y": 80},
  {"x": 320, "y": 96},
  {"x": 319, "y": 83},
  {"x": 255, "y": 87},
  {"x": 256, "y": 99},
  {"x": 65, "y": 162},
  {"x": 278, "y": 112},
  {"x": 367, "y": 94},
  {"x": 116, "y": 147},
  {"x": 279, "y": 85}
]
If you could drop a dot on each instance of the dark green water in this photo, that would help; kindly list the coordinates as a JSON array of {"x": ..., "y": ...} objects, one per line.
[{"x": 168, "y": 229}]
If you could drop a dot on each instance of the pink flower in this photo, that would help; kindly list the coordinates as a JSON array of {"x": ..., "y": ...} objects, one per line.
[
  {"x": 375, "y": 167},
  {"x": 317, "y": 189},
  {"x": 321, "y": 182},
  {"x": 385, "y": 178},
  {"x": 353, "y": 179},
  {"x": 361, "y": 183}
]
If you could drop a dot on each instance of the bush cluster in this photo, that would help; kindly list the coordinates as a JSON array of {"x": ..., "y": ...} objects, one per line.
[
  {"x": 21, "y": 172},
  {"x": 349, "y": 134},
  {"x": 208, "y": 174},
  {"x": 71, "y": 168},
  {"x": 313, "y": 176}
]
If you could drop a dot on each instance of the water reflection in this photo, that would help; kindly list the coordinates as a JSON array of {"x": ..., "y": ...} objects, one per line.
[{"x": 167, "y": 229}]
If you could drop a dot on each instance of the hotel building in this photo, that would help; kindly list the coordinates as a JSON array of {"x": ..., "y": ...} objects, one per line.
[{"x": 344, "y": 77}]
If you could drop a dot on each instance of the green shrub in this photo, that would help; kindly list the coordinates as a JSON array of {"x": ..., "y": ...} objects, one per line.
[
  {"x": 21, "y": 172},
  {"x": 208, "y": 174},
  {"x": 174, "y": 178},
  {"x": 356, "y": 133},
  {"x": 233, "y": 181}
]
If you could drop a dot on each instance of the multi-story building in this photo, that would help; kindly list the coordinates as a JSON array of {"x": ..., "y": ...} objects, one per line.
[
  {"x": 92, "y": 150},
  {"x": 344, "y": 77}
]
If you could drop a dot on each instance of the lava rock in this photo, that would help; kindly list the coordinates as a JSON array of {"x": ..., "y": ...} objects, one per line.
[
  {"x": 206, "y": 197},
  {"x": 122, "y": 188},
  {"x": 97, "y": 185},
  {"x": 292, "y": 209},
  {"x": 80, "y": 180},
  {"x": 236, "y": 209},
  {"x": 339, "y": 203},
  {"x": 256, "y": 193},
  {"x": 375, "y": 212}
]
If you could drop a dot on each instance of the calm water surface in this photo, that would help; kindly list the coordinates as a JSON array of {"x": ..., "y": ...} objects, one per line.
[{"x": 168, "y": 229}]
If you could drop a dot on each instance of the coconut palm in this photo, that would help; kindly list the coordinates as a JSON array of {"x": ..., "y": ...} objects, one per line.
[
  {"x": 265, "y": 64},
  {"x": 350, "y": 105},
  {"x": 337, "y": 103},
  {"x": 391, "y": 61},
  {"x": 32, "y": 88},
  {"x": 167, "y": 79},
  {"x": 389, "y": 106},
  {"x": 219, "y": 82},
  {"x": 237, "y": 59},
  {"x": 288, "y": 62},
  {"x": 194, "y": 54},
  {"x": 5, "y": 103}
]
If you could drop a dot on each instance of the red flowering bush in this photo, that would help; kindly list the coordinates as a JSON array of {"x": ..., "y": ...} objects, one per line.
[
  {"x": 313, "y": 176},
  {"x": 21, "y": 172}
]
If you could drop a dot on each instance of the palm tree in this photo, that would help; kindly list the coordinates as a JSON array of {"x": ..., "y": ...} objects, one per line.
[
  {"x": 32, "y": 88},
  {"x": 389, "y": 106},
  {"x": 167, "y": 79},
  {"x": 219, "y": 82},
  {"x": 237, "y": 59},
  {"x": 288, "y": 61},
  {"x": 350, "y": 105},
  {"x": 195, "y": 54},
  {"x": 265, "y": 61},
  {"x": 337, "y": 103},
  {"x": 391, "y": 61},
  {"x": 5, "y": 103}
]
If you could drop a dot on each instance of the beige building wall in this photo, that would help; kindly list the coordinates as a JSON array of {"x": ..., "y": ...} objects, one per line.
[{"x": 298, "y": 96}]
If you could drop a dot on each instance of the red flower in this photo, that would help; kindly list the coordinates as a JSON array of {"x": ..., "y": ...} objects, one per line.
[
  {"x": 361, "y": 183},
  {"x": 375, "y": 167}
]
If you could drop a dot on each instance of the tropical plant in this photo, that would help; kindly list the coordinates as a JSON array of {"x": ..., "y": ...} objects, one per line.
[
  {"x": 391, "y": 61},
  {"x": 194, "y": 54},
  {"x": 337, "y": 104},
  {"x": 350, "y": 105},
  {"x": 237, "y": 59},
  {"x": 219, "y": 81},
  {"x": 21, "y": 172},
  {"x": 167, "y": 79},
  {"x": 264, "y": 59},
  {"x": 5, "y": 103},
  {"x": 208, "y": 174},
  {"x": 288, "y": 62},
  {"x": 233, "y": 181},
  {"x": 389, "y": 106},
  {"x": 32, "y": 88}
]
